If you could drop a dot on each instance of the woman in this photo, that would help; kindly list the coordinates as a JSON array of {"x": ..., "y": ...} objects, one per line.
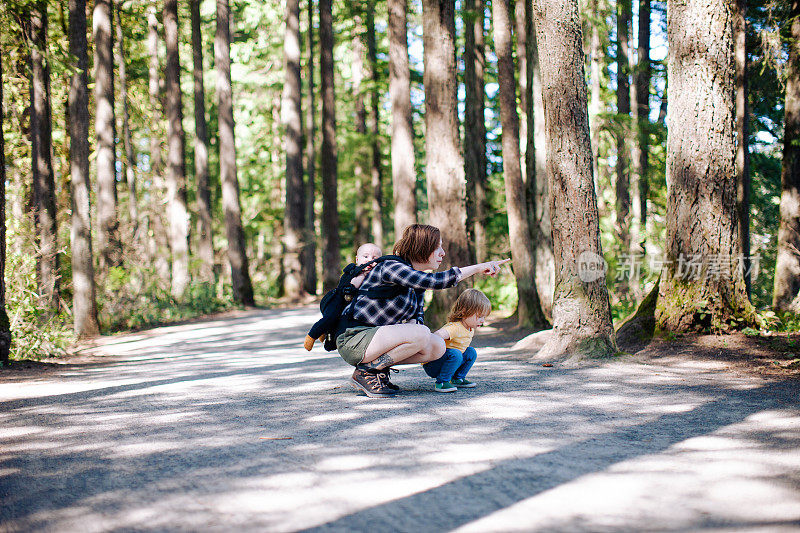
[{"x": 377, "y": 333}]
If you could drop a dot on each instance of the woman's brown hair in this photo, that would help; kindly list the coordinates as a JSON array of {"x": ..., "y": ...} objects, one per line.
[
  {"x": 470, "y": 302},
  {"x": 418, "y": 242}
]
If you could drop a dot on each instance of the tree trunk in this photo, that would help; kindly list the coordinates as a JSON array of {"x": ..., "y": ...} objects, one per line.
[
  {"x": 294, "y": 212},
  {"x": 403, "y": 174},
  {"x": 329, "y": 163},
  {"x": 376, "y": 169},
  {"x": 359, "y": 153},
  {"x": 176, "y": 156},
  {"x": 44, "y": 193},
  {"x": 159, "y": 246},
  {"x": 475, "y": 125},
  {"x": 529, "y": 311},
  {"x": 84, "y": 301},
  {"x": 623, "y": 222},
  {"x": 786, "y": 295},
  {"x": 537, "y": 175},
  {"x": 130, "y": 160},
  {"x": 237, "y": 256},
  {"x": 521, "y": 14},
  {"x": 742, "y": 136},
  {"x": 5, "y": 326},
  {"x": 110, "y": 253},
  {"x": 643, "y": 73},
  {"x": 206, "y": 246},
  {"x": 444, "y": 163},
  {"x": 309, "y": 260},
  {"x": 700, "y": 287},
  {"x": 581, "y": 312}
]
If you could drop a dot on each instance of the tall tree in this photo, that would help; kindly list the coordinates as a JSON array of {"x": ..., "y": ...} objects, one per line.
[
  {"x": 110, "y": 253},
  {"x": 130, "y": 159},
  {"x": 362, "y": 215},
  {"x": 786, "y": 294},
  {"x": 206, "y": 246},
  {"x": 309, "y": 259},
  {"x": 403, "y": 175},
  {"x": 581, "y": 311},
  {"x": 376, "y": 168},
  {"x": 520, "y": 19},
  {"x": 294, "y": 212},
  {"x": 742, "y": 135},
  {"x": 237, "y": 256},
  {"x": 643, "y": 74},
  {"x": 443, "y": 160},
  {"x": 44, "y": 190},
  {"x": 529, "y": 311},
  {"x": 178, "y": 213},
  {"x": 84, "y": 306},
  {"x": 5, "y": 325},
  {"x": 700, "y": 288},
  {"x": 329, "y": 159},
  {"x": 623, "y": 125},
  {"x": 159, "y": 246},
  {"x": 475, "y": 124}
]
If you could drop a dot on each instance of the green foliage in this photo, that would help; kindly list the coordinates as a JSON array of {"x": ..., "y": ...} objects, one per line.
[{"x": 501, "y": 291}]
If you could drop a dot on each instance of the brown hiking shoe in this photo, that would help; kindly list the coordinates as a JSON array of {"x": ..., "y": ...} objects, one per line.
[
  {"x": 384, "y": 375},
  {"x": 369, "y": 383}
]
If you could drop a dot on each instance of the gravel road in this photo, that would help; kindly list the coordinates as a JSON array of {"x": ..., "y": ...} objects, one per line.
[{"x": 229, "y": 425}]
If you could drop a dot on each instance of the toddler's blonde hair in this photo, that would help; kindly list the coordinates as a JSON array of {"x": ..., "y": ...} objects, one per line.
[{"x": 470, "y": 302}]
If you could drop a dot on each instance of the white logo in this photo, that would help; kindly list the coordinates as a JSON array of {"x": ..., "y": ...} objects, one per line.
[{"x": 591, "y": 266}]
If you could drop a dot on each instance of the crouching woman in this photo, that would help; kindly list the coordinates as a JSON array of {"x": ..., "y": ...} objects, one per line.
[{"x": 378, "y": 333}]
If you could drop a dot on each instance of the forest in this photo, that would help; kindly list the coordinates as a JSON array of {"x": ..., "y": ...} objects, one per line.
[{"x": 164, "y": 160}]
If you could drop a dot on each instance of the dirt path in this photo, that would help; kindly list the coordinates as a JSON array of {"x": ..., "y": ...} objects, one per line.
[{"x": 229, "y": 424}]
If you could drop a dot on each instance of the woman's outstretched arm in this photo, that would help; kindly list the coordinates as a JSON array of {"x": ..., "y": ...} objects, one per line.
[{"x": 490, "y": 268}]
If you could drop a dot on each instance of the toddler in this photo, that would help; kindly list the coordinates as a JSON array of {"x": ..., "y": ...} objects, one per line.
[{"x": 450, "y": 370}]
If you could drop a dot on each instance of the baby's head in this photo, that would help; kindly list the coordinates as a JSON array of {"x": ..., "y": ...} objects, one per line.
[{"x": 367, "y": 252}]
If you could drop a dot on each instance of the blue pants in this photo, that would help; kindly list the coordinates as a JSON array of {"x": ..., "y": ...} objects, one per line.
[{"x": 453, "y": 364}]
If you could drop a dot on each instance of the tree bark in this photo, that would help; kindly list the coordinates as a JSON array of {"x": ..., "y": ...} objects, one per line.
[
  {"x": 159, "y": 245},
  {"x": 294, "y": 212},
  {"x": 786, "y": 294},
  {"x": 521, "y": 13},
  {"x": 206, "y": 246},
  {"x": 529, "y": 311},
  {"x": 403, "y": 174},
  {"x": 376, "y": 169},
  {"x": 176, "y": 156},
  {"x": 44, "y": 193},
  {"x": 700, "y": 287},
  {"x": 110, "y": 253},
  {"x": 5, "y": 325},
  {"x": 742, "y": 136},
  {"x": 130, "y": 160},
  {"x": 84, "y": 300},
  {"x": 582, "y": 324},
  {"x": 330, "y": 215},
  {"x": 623, "y": 223},
  {"x": 475, "y": 124},
  {"x": 309, "y": 260},
  {"x": 237, "y": 256},
  {"x": 444, "y": 163}
]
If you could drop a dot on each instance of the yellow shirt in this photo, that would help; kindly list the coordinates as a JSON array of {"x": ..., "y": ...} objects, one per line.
[{"x": 460, "y": 336}]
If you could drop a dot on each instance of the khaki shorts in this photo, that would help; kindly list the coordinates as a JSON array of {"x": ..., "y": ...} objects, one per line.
[{"x": 352, "y": 343}]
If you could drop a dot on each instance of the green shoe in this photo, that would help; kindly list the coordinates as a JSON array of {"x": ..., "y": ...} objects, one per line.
[
  {"x": 463, "y": 383},
  {"x": 445, "y": 387}
]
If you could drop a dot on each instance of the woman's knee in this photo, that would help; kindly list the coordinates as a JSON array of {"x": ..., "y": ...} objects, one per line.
[{"x": 436, "y": 346}]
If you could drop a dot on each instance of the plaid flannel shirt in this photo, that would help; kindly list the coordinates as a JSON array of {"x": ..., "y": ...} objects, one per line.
[{"x": 409, "y": 304}]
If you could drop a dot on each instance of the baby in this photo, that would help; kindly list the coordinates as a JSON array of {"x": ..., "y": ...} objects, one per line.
[{"x": 366, "y": 252}]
